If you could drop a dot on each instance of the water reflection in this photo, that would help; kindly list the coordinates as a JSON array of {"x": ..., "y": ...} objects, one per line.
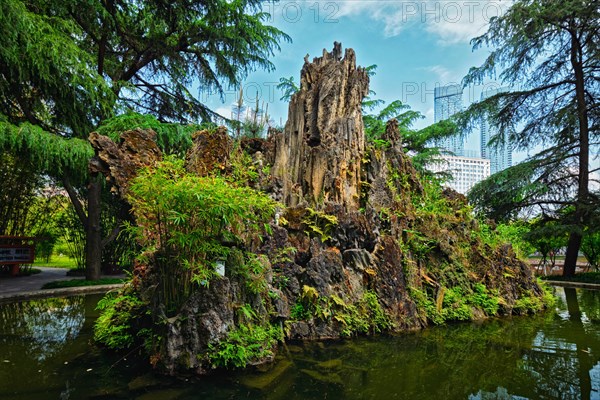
[
  {"x": 554, "y": 355},
  {"x": 46, "y": 325},
  {"x": 38, "y": 338}
]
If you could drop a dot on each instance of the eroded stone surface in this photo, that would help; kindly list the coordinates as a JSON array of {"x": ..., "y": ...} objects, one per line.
[
  {"x": 318, "y": 155},
  {"x": 210, "y": 151},
  {"x": 352, "y": 224},
  {"x": 121, "y": 162}
]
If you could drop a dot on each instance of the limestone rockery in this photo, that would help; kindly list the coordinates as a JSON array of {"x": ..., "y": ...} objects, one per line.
[{"x": 353, "y": 226}]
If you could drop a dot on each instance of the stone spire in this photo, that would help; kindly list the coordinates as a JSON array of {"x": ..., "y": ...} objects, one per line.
[{"x": 318, "y": 157}]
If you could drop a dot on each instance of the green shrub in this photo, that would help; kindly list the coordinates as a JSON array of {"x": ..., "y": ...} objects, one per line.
[
  {"x": 482, "y": 299},
  {"x": 455, "y": 307},
  {"x": 531, "y": 303},
  {"x": 117, "y": 325},
  {"x": 455, "y": 304},
  {"x": 246, "y": 344},
  {"x": 319, "y": 224},
  {"x": 528, "y": 304},
  {"x": 190, "y": 222}
]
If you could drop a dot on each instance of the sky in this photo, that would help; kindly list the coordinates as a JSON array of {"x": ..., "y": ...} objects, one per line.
[{"x": 416, "y": 45}]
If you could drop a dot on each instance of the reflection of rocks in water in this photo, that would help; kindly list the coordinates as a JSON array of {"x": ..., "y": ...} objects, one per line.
[
  {"x": 268, "y": 379},
  {"x": 47, "y": 324}
]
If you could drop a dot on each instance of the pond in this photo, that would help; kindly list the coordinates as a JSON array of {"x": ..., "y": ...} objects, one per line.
[{"x": 46, "y": 352}]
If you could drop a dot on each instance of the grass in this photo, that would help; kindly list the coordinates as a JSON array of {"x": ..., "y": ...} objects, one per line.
[
  {"x": 82, "y": 282},
  {"x": 586, "y": 277},
  {"x": 57, "y": 261}
]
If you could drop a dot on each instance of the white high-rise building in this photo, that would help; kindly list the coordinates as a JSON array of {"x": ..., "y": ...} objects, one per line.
[
  {"x": 465, "y": 166},
  {"x": 447, "y": 102},
  {"x": 466, "y": 171},
  {"x": 500, "y": 156}
]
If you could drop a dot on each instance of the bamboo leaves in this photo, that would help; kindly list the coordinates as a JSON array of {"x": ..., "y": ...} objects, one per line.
[{"x": 192, "y": 221}]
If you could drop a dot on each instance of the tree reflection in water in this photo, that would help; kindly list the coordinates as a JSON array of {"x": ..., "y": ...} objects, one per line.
[
  {"x": 550, "y": 355},
  {"x": 563, "y": 361},
  {"x": 46, "y": 324},
  {"x": 565, "y": 354}
]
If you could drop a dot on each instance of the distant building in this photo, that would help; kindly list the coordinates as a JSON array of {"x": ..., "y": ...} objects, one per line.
[
  {"x": 447, "y": 102},
  {"x": 501, "y": 156},
  {"x": 466, "y": 171}
]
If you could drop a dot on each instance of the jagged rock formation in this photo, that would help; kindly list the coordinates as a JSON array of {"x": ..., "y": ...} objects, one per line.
[
  {"x": 210, "y": 151},
  {"x": 319, "y": 154},
  {"x": 364, "y": 245},
  {"x": 121, "y": 162}
]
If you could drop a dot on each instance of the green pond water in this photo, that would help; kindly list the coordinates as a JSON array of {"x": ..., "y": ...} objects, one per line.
[{"x": 46, "y": 352}]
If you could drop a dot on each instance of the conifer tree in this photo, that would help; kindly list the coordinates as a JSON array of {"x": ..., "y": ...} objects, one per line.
[
  {"x": 549, "y": 52},
  {"x": 66, "y": 66}
]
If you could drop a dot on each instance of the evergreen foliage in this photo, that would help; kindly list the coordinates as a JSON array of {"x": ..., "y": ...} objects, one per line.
[
  {"x": 47, "y": 77},
  {"x": 288, "y": 87},
  {"x": 419, "y": 144},
  {"x": 69, "y": 65},
  {"x": 551, "y": 49},
  {"x": 48, "y": 153}
]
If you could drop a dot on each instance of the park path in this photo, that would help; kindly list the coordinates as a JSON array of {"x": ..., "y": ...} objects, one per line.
[{"x": 24, "y": 287}]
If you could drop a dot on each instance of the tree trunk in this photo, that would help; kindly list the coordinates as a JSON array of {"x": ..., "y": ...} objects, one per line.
[
  {"x": 93, "y": 234},
  {"x": 584, "y": 150},
  {"x": 572, "y": 254}
]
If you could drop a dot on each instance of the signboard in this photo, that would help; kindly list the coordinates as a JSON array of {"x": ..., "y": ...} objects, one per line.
[{"x": 16, "y": 254}]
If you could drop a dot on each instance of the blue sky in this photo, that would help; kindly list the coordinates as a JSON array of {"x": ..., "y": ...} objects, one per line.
[{"x": 415, "y": 44}]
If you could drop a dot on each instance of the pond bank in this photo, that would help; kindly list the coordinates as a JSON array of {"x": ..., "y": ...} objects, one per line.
[
  {"x": 576, "y": 285},
  {"x": 30, "y": 287}
]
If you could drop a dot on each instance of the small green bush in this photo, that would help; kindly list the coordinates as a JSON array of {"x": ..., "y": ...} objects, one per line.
[
  {"x": 455, "y": 307},
  {"x": 482, "y": 299},
  {"x": 189, "y": 222},
  {"x": 115, "y": 326},
  {"x": 531, "y": 303},
  {"x": 246, "y": 344},
  {"x": 456, "y": 304}
]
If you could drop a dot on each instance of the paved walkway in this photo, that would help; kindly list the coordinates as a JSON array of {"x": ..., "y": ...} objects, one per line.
[{"x": 25, "y": 287}]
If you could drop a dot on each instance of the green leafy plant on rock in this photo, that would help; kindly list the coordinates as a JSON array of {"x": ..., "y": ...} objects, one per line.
[
  {"x": 364, "y": 317},
  {"x": 361, "y": 317},
  {"x": 245, "y": 345},
  {"x": 118, "y": 326},
  {"x": 319, "y": 224},
  {"x": 187, "y": 223},
  {"x": 530, "y": 303},
  {"x": 456, "y": 303}
]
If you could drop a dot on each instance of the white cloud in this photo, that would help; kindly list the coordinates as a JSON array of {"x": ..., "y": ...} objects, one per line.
[
  {"x": 224, "y": 111},
  {"x": 443, "y": 74},
  {"x": 451, "y": 21}
]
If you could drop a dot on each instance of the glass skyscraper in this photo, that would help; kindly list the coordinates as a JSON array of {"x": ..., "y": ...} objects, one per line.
[
  {"x": 500, "y": 156},
  {"x": 447, "y": 102}
]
